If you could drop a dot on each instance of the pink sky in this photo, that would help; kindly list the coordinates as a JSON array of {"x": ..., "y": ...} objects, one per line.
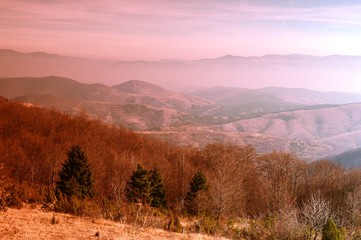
[{"x": 160, "y": 29}]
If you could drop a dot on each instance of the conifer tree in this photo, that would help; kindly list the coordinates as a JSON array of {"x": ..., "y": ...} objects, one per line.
[
  {"x": 330, "y": 231},
  {"x": 197, "y": 184},
  {"x": 139, "y": 188},
  {"x": 75, "y": 178},
  {"x": 158, "y": 192}
]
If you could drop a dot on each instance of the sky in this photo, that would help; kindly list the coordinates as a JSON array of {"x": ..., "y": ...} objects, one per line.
[{"x": 187, "y": 29}]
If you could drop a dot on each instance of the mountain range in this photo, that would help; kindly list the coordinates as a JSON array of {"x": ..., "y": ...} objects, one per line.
[
  {"x": 295, "y": 70},
  {"x": 312, "y": 124},
  {"x": 134, "y": 104}
]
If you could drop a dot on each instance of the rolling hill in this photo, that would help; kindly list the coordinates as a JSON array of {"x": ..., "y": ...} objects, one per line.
[
  {"x": 269, "y": 119},
  {"x": 349, "y": 159},
  {"x": 311, "y": 134},
  {"x": 315, "y": 133},
  {"x": 134, "y": 104}
]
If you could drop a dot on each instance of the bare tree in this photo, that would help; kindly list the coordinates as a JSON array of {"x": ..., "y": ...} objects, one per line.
[
  {"x": 353, "y": 207},
  {"x": 281, "y": 174},
  {"x": 228, "y": 167},
  {"x": 314, "y": 213}
]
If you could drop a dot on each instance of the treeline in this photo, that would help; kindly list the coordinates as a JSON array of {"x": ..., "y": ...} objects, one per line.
[{"x": 278, "y": 191}]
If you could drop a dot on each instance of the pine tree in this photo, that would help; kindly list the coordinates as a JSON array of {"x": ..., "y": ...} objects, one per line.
[
  {"x": 197, "y": 184},
  {"x": 146, "y": 187},
  {"x": 158, "y": 192},
  {"x": 139, "y": 188},
  {"x": 75, "y": 178},
  {"x": 330, "y": 231}
]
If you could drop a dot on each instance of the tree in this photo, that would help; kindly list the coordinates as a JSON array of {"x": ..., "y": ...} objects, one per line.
[
  {"x": 282, "y": 175},
  {"x": 330, "y": 231},
  {"x": 75, "y": 178},
  {"x": 231, "y": 174},
  {"x": 139, "y": 188},
  {"x": 315, "y": 213},
  {"x": 146, "y": 187},
  {"x": 197, "y": 184},
  {"x": 158, "y": 192}
]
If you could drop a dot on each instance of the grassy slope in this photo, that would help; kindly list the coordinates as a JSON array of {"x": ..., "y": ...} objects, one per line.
[{"x": 30, "y": 223}]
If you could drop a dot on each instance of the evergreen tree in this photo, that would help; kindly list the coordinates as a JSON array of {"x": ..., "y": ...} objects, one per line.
[
  {"x": 197, "y": 184},
  {"x": 330, "y": 231},
  {"x": 139, "y": 188},
  {"x": 75, "y": 178},
  {"x": 146, "y": 187},
  {"x": 158, "y": 192}
]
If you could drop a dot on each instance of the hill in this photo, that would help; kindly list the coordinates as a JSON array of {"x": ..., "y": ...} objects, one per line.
[
  {"x": 256, "y": 102},
  {"x": 262, "y": 118},
  {"x": 143, "y": 106},
  {"x": 349, "y": 159},
  {"x": 14, "y": 224},
  {"x": 34, "y": 143},
  {"x": 134, "y": 104},
  {"x": 311, "y": 134},
  {"x": 139, "y": 87}
]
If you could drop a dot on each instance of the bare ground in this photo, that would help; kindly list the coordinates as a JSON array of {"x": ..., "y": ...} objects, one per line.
[{"x": 29, "y": 224}]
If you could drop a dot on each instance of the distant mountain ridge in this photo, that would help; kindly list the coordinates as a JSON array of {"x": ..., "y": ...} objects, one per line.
[
  {"x": 293, "y": 95},
  {"x": 293, "y": 70}
]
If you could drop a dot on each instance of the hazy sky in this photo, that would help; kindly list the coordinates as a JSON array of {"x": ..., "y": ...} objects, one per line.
[{"x": 186, "y": 29}]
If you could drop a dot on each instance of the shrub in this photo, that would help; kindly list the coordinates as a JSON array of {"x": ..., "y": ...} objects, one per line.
[
  {"x": 174, "y": 224},
  {"x": 330, "y": 231},
  {"x": 209, "y": 226},
  {"x": 54, "y": 220},
  {"x": 11, "y": 196}
]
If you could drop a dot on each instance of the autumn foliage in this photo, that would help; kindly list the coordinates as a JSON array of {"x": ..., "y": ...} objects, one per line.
[{"x": 236, "y": 180}]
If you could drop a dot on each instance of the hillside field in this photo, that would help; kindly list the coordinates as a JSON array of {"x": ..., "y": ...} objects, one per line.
[{"x": 35, "y": 223}]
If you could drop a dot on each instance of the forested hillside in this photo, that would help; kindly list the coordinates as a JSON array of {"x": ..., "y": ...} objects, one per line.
[
  {"x": 35, "y": 141},
  {"x": 261, "y": 195}
]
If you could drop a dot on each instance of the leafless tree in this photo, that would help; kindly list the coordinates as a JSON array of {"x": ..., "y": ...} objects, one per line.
[
  {"x": 314, "y": 213},
  {"x": 281, "y": 174},
  {"x": 229, "y": 167}
]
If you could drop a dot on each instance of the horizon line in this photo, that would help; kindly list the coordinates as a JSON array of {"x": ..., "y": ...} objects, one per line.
[{"x": 176, "y": 59}]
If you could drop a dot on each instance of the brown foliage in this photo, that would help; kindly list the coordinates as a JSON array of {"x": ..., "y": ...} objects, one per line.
[
  {"x": 282, "y": 174},
  {"x": 34, "y": 142}
]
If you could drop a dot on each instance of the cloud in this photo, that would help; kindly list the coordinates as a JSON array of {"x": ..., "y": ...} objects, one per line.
[
  {"x": 163, "y": 16},
  {"x": 217, "y": 26}
]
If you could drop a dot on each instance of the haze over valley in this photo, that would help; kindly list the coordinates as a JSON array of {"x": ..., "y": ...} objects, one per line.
[{"x": 328, "y": 73}]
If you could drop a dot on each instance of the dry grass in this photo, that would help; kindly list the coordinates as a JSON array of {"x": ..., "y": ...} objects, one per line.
[{"x": 35, "y": 223}]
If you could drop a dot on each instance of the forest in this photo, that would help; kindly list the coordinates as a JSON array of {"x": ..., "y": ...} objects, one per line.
[{"x": 222, "y": 189}]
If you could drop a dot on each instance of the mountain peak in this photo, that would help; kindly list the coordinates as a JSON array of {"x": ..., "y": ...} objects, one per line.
[{"x": 137, "y": 87}]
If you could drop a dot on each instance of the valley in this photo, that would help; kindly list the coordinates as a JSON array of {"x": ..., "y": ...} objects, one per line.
[{"x": 312, "y": 124}]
